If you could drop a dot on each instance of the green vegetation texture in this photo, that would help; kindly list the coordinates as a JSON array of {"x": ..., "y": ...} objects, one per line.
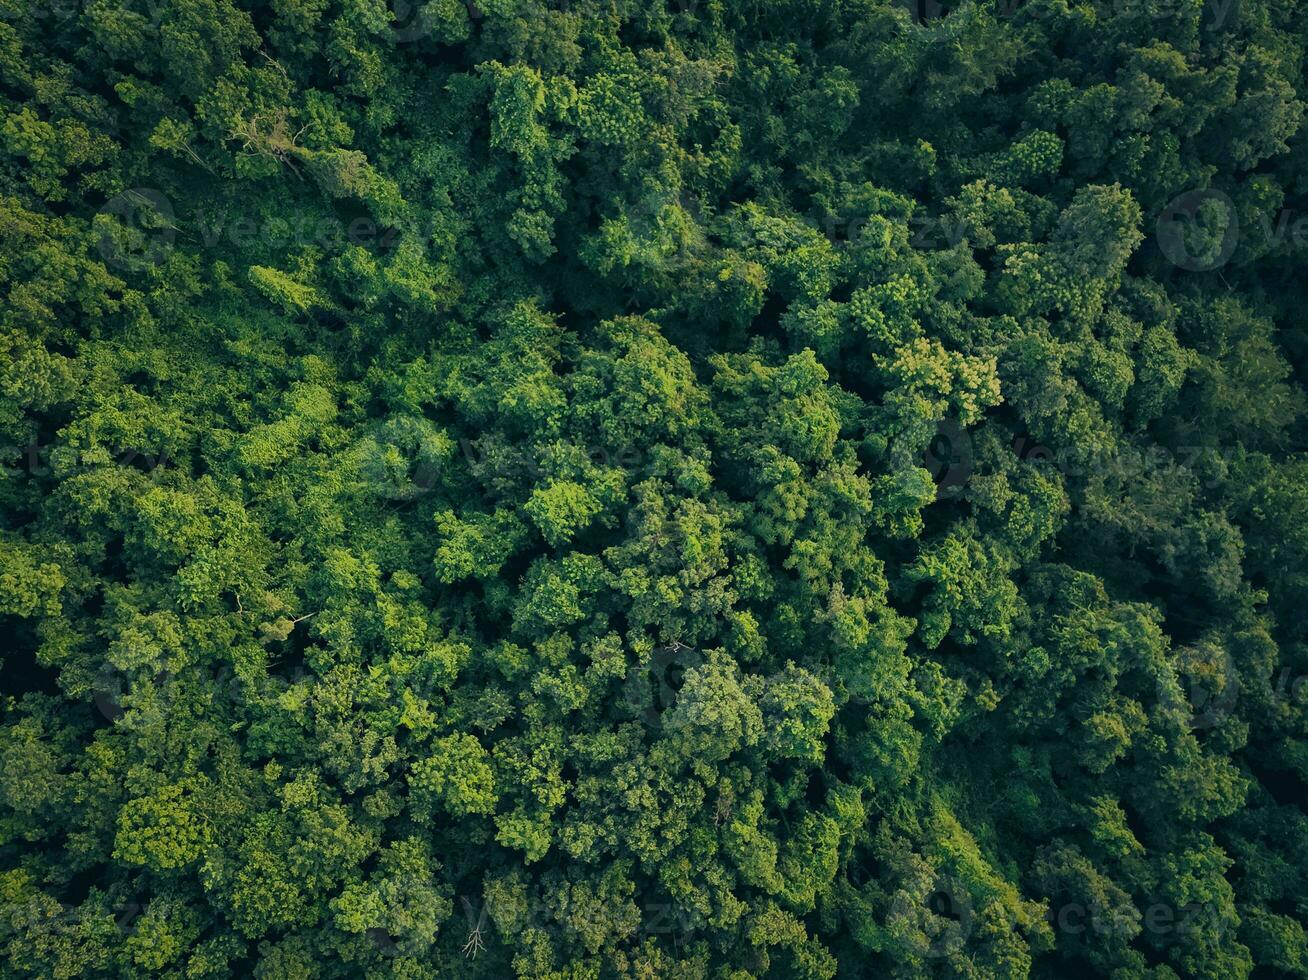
[{"x": 653, "y": 488}]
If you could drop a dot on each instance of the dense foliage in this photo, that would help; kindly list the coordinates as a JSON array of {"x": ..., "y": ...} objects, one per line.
[{"x": 591, "y": 488}]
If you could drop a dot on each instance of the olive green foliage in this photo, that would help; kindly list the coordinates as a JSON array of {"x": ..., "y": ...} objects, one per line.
[{"x": 625, "y": 488}]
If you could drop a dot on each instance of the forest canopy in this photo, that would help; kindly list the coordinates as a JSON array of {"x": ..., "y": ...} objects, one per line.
[{"x": 709, "y": 489}]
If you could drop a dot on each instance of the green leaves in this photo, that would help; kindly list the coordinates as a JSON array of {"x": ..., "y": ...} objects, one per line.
[
  {"x": 164, "y": 830},
  {"x": 454, "y": 777},
  {"x": 705, "y": 489},
  {"x": 561, "y": 509}
]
